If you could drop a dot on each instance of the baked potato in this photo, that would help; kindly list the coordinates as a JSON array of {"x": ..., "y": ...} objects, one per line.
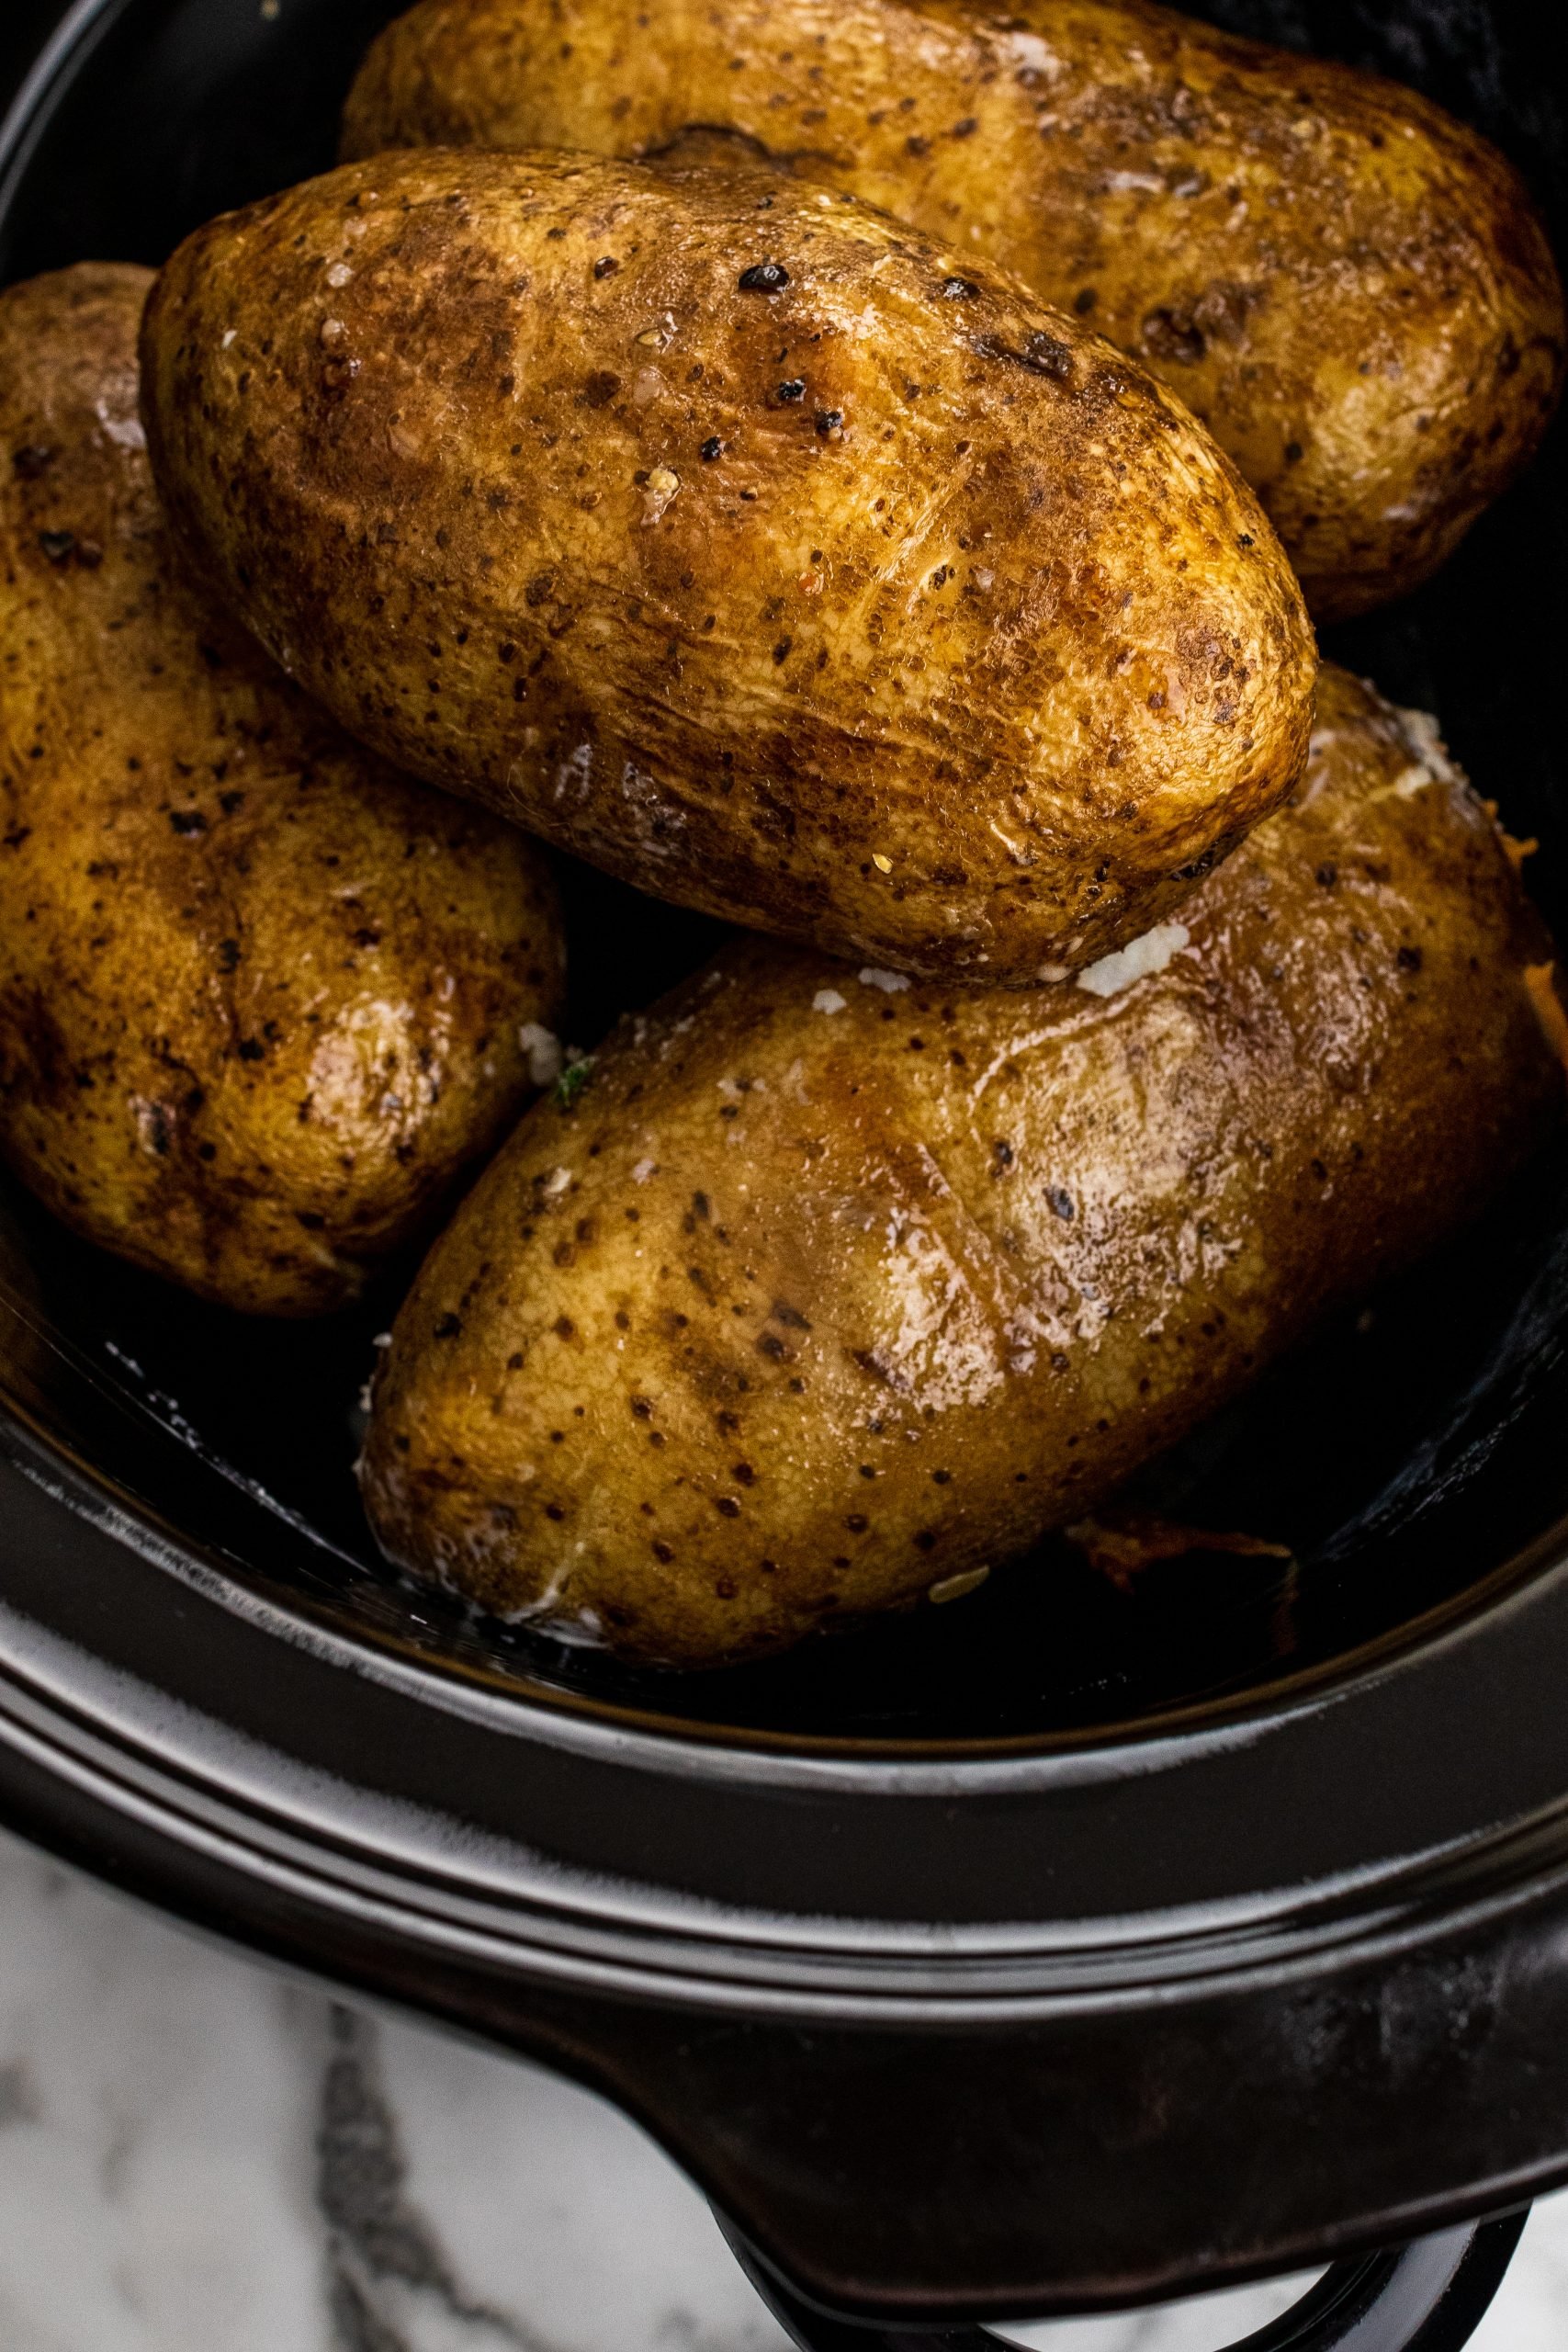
[
  {"x": 723, "y": 533},
  {"x": 832, "y": 1289},
  {"x": 261, "y": 998},
  {"x": 1351, "y": 290}
]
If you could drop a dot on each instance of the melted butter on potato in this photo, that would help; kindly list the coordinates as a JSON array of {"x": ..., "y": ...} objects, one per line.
[
  {"x": 708, "y": 531},
  {"x": 826, "y": 1296},
  {"x": 1349, "y": 288},
  {"x": 262, "y": 998}
]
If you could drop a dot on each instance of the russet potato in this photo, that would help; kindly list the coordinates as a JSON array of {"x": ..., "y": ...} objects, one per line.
[
  {"x": 770, "y": 555},
  {"x": 1350, "y": 288},
  {"x": 261, "y": 997},
  {"x": 833, "y": 1290}
]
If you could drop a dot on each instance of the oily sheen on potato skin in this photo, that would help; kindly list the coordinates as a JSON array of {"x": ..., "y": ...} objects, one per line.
[
  {"x": 260, "y": 996},
  {"x": 828, "y": 1290},
  {"x": 1350, "y": 288},
  {"x": 726, "y": 534}
]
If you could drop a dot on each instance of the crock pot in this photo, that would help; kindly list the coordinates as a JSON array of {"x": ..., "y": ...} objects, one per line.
[{"x": 1062, "y": 1952}]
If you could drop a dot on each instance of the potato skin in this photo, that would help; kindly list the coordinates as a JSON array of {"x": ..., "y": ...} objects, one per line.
[
  {"x": 886, "y": 610},
  {"x": 1351, "y": 290},
  {"x": 260, "y": 996},
  {"x": 804, "y": 1311}
]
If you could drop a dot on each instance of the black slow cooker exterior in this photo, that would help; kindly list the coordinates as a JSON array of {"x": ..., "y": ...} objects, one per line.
[{"x": 1060, "y": 1951}]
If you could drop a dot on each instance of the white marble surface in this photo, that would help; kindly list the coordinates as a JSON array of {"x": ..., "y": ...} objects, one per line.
[{"x": 196, "y": 2157}]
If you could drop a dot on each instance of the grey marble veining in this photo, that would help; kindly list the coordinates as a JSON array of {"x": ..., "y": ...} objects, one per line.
[{"x": 198, "y": 2156}]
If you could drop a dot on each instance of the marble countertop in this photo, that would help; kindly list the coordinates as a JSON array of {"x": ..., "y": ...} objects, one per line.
[{"x": 197, "y": 2154}]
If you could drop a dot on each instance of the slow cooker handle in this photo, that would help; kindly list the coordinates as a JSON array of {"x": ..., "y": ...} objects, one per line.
[{"x": 1429, "y": 2296}]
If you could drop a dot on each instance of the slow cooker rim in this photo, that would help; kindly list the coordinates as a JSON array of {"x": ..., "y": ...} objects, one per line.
[
  {"x": 578, "y": 1717},
  {"x": 1021, "y": 1966}
]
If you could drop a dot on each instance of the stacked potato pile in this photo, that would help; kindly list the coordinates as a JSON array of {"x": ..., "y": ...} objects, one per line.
[{"x": 864, "y": 475}]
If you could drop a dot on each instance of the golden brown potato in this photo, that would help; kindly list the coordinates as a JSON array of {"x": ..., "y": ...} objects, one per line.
[
  {"x": 833, "y": 1290},
  {"x": 722, "y": 532},
  {"x": 260, "y": 997},
  {"x": 1348, "y": 287}
]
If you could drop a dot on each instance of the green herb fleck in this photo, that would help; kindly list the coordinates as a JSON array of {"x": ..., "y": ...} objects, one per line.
[{"x": 571, "y": 1082}]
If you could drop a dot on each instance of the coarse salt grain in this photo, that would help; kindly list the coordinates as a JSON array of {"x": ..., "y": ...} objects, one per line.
[
  {"x": 542, "y": 1048},
  {"x": 659, "y": 489},
  {"x": 1138, "y": 960},
  {"x": 1032, "y": 54}
]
